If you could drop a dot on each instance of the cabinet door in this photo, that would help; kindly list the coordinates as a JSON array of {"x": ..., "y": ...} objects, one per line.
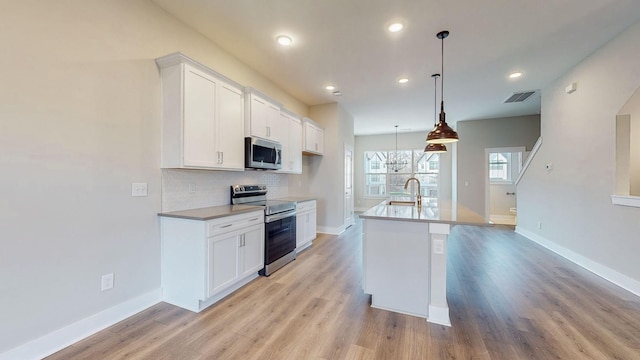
[
  {"x": 258, "y": 116},
  {"x": 310, "y": 229},
  {"x": 230, "y": 127},
  {"x": 252, "y": 250},
  {"x": 223, "y": 262},
  {"x": 286, "y": 147},
  {"x": 313, "y": 138},
  {"x": 275, "y": 131},
  {"x": 199, "y": 128},
  {"x": 301, "y": 224},
  {"x": 295, "y": 144}
]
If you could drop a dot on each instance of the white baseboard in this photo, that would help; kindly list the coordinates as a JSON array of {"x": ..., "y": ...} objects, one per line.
[
  {"x": 604, "y": 272},
  {"x": 439, "y": 315},
  {"x": 331, "y": 230},
  {"x": 61, "y": 338}
]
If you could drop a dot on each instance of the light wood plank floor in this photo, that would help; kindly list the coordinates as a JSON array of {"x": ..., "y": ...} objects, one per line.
[{"x": 509, "y": 299}]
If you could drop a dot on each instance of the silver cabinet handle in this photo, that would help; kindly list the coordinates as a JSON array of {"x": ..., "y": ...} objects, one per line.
[
  {"x": 254, "y": 219},
  {"x": 225, "y": 226}
]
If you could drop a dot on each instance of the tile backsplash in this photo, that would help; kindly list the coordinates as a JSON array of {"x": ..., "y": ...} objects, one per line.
[{"x": 212, "y": 188}]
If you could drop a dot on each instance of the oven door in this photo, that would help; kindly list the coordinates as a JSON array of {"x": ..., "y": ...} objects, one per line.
[{"x": 280, "y": 236}]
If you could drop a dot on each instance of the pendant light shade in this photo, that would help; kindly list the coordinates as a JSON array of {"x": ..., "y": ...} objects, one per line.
[
  {"x": 442, "y": 133},
  {"x": 432, "y": 147}
]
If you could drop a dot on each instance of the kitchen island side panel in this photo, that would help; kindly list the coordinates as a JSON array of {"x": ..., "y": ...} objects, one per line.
[{"x": 396, "y": 265}]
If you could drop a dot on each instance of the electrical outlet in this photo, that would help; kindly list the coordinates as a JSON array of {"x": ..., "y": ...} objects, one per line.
[
  {"x": 192, "y": 188},
  {"x": 138, "y": 189},
  {"x": 107, "y": 282}
]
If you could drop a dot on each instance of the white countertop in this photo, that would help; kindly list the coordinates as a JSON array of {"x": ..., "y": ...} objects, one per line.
[{"x": 445, "y": 212}]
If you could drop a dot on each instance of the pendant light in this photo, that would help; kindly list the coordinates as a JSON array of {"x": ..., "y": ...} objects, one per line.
[
  {"x": 396, "y": 165},
  {"x": 433, "y": 148},
  {"x": 442, "y": 133}
]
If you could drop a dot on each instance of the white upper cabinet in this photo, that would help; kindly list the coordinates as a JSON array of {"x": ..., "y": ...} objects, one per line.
[
  {"x": 202, "y": 117},
  {"x": 262, "y": 118},
  {"x": 291, "y": 143},
  {"x": 313, "y": 138}
]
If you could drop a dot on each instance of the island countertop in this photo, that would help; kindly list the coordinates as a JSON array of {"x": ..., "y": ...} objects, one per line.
[
  {"x": 444, "y": 212},
  {"x": 210, "y": 213}
]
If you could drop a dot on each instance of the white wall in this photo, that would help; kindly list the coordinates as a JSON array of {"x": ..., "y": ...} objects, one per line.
[
  {"x": 387, "y": 142},
  {"x": 572, "y": 201},
  {"x": 80, "y": 110},
  {"x": 325, "y": 174}
]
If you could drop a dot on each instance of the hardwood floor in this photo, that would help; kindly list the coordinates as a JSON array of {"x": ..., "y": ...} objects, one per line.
[{"x": 509, "y": 299}]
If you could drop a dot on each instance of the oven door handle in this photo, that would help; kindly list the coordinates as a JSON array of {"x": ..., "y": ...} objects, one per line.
[{"x": 275, "y": 217}]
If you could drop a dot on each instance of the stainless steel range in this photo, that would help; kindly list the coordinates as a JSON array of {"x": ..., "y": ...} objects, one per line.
[{"x": 280, "y": 225}]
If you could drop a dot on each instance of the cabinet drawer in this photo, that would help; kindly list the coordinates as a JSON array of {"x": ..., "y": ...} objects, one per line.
[
  {"x": 305, "y": 206},
  {"x": 234, "y": 222}
]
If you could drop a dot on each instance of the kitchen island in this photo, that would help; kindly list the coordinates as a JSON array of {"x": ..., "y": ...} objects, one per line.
[{"x": 404, "y": 256}]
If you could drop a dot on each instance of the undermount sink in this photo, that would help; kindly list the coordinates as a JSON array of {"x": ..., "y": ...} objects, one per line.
[{"x": 398, "y": 202}]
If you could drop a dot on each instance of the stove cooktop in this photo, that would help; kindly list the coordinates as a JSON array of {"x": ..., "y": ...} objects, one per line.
[{"x": 256, "y": 195}]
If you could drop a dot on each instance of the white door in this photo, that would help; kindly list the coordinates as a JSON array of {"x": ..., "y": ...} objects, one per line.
[{"x": 348, "y": 186}]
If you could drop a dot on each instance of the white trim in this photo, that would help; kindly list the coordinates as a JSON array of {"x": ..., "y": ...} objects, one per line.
[
  {"x": 527, "y": 162},
  {"x": 331, "y": 230},
  {"x": 439, "y": 315},
  {"x": 606, "y": 273},
  {"x": 61, "y": 338},
  {"x": 625, "y": 200}
]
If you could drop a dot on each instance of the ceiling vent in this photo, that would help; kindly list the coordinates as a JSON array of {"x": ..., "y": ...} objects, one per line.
[{"x": 519, "y": 97}]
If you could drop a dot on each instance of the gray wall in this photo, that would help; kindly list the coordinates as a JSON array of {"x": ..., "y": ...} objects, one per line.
[
  {"x": 406, "y": 141},
  {"x": 80, "y": 110},
  {"x": 572, "y": 202},
  {"x": 475, "y": 137}
]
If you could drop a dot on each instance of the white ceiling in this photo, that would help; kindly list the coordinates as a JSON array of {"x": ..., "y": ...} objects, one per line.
[{"x": 345, "y": 43}]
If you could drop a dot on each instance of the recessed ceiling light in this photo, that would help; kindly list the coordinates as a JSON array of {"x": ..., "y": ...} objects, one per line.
[
  {"x": 403, "y": 81},
  {"x": 515, "y": 75},
  {"x": 330, "y": 87},
  {"x": 284, "y": 40},
  {"x": 395, "y": 27}
]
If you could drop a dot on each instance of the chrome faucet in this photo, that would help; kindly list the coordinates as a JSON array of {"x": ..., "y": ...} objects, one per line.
[{"x": 418, "y": 197}]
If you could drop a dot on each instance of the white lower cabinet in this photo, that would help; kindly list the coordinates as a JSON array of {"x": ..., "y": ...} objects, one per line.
[
  {"x": 305, "y": 224},
  {"x": 204, "y": 261}
]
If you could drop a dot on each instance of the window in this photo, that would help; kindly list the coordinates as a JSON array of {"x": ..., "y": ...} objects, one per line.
[
  {"x": 383, "y": 179},
  {"x": 500, "y": 167}
]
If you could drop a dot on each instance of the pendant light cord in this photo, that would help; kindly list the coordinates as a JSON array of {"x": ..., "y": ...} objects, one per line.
[{"x": 442, "y": 73}]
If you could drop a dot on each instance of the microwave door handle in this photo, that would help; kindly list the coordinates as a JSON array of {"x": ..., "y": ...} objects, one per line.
[{"x": 275, "y": 149}]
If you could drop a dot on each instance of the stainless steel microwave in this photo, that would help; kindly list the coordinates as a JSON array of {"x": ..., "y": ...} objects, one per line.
[{"x": 262, "y": 154}]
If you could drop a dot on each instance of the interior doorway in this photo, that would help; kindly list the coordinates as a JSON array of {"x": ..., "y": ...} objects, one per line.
[
  {"x": 348, "y": 186},
  {"x": 502, "y": 167}
]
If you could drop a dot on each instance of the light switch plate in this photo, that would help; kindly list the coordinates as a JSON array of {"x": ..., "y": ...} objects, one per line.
[{"x": 138, "y": 189}]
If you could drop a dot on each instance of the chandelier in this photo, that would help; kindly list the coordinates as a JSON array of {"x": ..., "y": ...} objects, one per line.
[{"x": 396, "y": 164}]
